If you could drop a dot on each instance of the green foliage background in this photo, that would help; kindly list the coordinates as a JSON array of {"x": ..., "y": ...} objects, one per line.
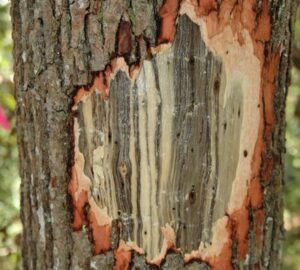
[
  {"x": 291, "y": 251},
  {"x": 10, "y": 227}
]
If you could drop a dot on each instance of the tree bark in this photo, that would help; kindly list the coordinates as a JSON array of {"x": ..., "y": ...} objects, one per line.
[{"x": 151, "y": 133}]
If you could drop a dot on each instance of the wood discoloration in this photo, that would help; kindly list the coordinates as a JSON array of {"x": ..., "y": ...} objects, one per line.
[
  {"x": 135, "y": 145},
  {"x": 168, "y": 125},
  {"x": 238, "y": 123},
  {"x": 231, "y": 114}
]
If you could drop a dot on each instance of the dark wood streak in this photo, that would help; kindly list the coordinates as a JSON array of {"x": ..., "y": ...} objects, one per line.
[
  {"x": 139, "y": 224},
  {"x": 192, "y": 148},
  {"x": 158, "y": 130},
  {"x": 120, "y": 127},
  {"x": 215, "y": 96},
  {"x": 184, "y": 203},
  {"x": 99, "y": 117}
]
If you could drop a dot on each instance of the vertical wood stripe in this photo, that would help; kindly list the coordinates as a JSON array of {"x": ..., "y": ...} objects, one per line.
[{"x": 148, "y": 150}]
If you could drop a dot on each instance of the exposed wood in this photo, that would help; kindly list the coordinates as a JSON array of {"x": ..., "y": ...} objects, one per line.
[
  {"x": 164, "y": 122},
  {"x": 135, "y": 147}
]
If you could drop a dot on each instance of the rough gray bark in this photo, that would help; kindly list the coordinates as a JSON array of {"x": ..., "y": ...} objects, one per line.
[{"x": 59, "y": 48}]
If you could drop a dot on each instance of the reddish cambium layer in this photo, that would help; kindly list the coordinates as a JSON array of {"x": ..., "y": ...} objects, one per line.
[
  {"x": 100, "y": 84},
  {"x": 255, "y": 193},
  {"x": 168, "y": 244},
  {"x": 240, "y": 229},
  {"x": 168, "y": 14},
  {"x": 124, "y": 251},
  {"x": 122, "y": 256},
  {"x": 101, "y": 234},
  {"x": 102, "y": 80},
  {"x": 223, "y": 261},
  {"x": 79, "y": 216},
  {"x": 267, "y": 123},
  {"x": 237, "y": 228}
]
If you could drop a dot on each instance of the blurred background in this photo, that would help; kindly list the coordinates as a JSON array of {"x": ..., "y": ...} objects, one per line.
[{"x": 10, "y": 226}]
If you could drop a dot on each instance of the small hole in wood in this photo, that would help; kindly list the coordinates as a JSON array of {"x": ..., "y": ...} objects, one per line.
[
  {"x": 245, "y": 153},
  {"x": 216, "y": 86},
  {"x": 192, "y": 60},
  {"x": 239, "y": 112},
  {"x": 41, "y": 22},
  {"x": 192, "y": 195},
  {"x": 178, "y": 135},
  {"x": 225, "y": 126}
]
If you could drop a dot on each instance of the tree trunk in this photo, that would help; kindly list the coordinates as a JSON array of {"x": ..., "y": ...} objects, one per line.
[{"x": 151, "y": 133}]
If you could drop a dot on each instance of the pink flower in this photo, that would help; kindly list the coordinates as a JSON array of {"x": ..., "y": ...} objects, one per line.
[{"x": 3, "y": 120}]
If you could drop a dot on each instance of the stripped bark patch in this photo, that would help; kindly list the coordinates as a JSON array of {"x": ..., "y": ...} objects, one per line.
[
  {"x": 243, "y": 20},
  {"x": 133, "y": 163}
]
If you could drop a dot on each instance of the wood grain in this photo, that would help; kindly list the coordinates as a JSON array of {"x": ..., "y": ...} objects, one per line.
[
  {"x": 153, "y": 141},
  {"x": 154, "y": 150}
]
